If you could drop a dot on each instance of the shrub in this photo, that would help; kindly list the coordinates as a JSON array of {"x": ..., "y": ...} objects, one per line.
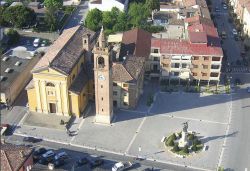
[
  {"x": 196, "y": 142},
  {"x": 191, "y": 137},
  {"x": 13, "y": 36},
  {"x": 176, "y": 148},
  {"x": 194, "y": 148},
  {"x": 185, "y": 149},
  {"x": 170, "y": 141}
]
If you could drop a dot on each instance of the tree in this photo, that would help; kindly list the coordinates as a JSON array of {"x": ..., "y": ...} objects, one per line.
[
  {"x": 122, "y": 23},
  {"x": 152, "y": 5},
  {"x": 194, "y": 148},
  {"x": 13, "y": 36},
  {"x": 94, "y": 19},
  {"x": 137, "y": 14},
  {"x": 56, "y": 4},
  {"x": 19, "y": 16},
  {"x": 2, "y": 22},
  {"x": 51, "y": 20}
]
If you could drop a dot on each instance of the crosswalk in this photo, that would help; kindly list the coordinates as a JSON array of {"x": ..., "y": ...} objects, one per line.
[{"x": 239, "y": 69}]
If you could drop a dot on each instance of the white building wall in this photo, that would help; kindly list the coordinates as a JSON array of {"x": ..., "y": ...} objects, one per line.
[
  {"x": 246, "y": 22},
  {"x": 107, "y": 5}
]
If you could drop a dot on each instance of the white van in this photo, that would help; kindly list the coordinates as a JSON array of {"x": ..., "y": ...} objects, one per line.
[{"x": 36, "y": 42}]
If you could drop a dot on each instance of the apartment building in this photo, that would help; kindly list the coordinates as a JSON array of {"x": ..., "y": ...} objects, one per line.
[
  {"x": 197, "y": 58},
  {"x": 246, "y": 20}
]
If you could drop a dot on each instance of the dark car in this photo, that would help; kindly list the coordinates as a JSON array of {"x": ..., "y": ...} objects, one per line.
[
  {"x": 237, "y": 81},
  {"x": 43, "y": 161},
  {"x": 95, "y": 161},
  {"x": 38, "y": 153},
  {"x": 82, "y": 161},
  {"x": 31, "y": 139}
]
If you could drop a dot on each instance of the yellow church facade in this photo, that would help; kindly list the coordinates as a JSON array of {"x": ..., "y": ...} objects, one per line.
[{"x": 61, "y": 81}]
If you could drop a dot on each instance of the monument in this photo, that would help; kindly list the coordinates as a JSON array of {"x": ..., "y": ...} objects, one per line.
[{"x": 184, "y": 140}]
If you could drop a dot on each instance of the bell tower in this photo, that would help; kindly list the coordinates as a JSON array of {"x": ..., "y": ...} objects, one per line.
[{"x": 103, "y": 81}]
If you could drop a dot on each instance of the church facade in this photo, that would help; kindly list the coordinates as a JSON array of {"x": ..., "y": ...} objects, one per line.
[{"x": 79, "y": 67}]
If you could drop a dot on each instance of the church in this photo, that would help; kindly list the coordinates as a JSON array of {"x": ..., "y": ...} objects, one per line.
[{"x": 81, "y": 66}]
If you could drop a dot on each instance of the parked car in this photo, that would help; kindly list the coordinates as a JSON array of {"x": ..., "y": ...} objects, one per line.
[
  {"x": 217, "y": 9},
  {"x": 248, "y": 89},
  {"x": 82, "y": 161},
  {"x": 234, "y": 31},
  {"x": 224, "y": 6},
  {"x": 31, "y": 139},
  {"x": 48, "y": 155},
  {"x": 61, "y": 155},
  {"x": 81, "y": 22},
  {"x": 36, "y": 42},
  {"x": 95, "y": 161},
  {"x": 120, "y": 166},
  {"x": 38, "y": 153},
  {"x": 43, "y": 161},
  {"x": 237, "y": 81},
  {"x": 44, "y": 43}
]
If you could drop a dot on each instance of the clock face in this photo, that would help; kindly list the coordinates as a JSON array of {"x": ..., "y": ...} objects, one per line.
[{"x": 101, "y": 77}]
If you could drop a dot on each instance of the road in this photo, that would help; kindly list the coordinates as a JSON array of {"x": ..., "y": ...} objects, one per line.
[
  {"x": 109, "y": 158},
  {"x": 237, "y": 148},
  {"x": 231, "y": 46},
  {"x": 78, "y": 15}
]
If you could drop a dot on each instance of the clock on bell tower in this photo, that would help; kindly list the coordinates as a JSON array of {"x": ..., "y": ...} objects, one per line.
[{"x": 103, "y": 81}]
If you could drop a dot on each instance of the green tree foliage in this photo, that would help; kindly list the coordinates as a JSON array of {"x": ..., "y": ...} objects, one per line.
[
  {"x": 2, "y": 22},
  {"x": 51, "y": 20},
  {"x": 56, "y": 4},
  {"x": 94, "y": 19},
  {"x": 185, "y": 149},
  {"x": 13, "y": 36},
  {"x": 152, "y": 5},
  {"x": 137, "y": 14},
  {"x": 194, "y": 148},
  {"x": 176, "y": 148},
  {"x": 19, "y": 16}
]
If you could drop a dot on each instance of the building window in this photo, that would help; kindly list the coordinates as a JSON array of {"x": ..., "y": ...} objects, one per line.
[
  {"x": 85, "y": 41},
  {"x": 216, "y": 59},
  {"x": 101, "y": 86},
  {"x": 50, "y": 84},
  {"x": 114, "y": 84},
  {"x": 155, "y": 50},
  {"x": 195, "y": 74},
  {"x": 204, "y": 74},
  {"x": 165, "y": 65},
  {"x": 176, "y": 65},
  {"x": 213, "y": 74},
  {"x": 205, "y": 66},
  {"x": 176, "y": 73},
  {"x": 156, "y": 59},
  {"x": 102, "y": 98},
  {"x": 50, "y": 93},
  {"x": 101, "y": 62},
  {"x": 215, "y": 67},
  {"x": 73, "y": 77},
  {"x": 102, "y": 110},
  {"x": 184, "y": 65},
  {"x": 206, "y": 58},
  {"x": 125, "y": 85},
  {"x": 125, "y": 94},
  {"x": 115, "y": 93},
  {"x": 195, "y": 66},
  {"x": 196, "y": 58}
]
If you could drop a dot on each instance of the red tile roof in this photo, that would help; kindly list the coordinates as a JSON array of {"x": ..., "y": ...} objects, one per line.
[
  {"x": 168, "y": 46},
  {"x": 197, "y": 37},
  {"x": 199, "y": 20},
  {"x": 137, "y": 42},
  {"x": 13, "y": 156}
]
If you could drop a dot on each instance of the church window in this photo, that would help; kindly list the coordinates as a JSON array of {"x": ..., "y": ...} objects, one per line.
[
  {"x": 125, "y": 85},
  {"x": 101, "y": 86},
  {"x": 50, "y": 84},
  {"x": 101, "y": 62},
  {"x": 102, "y": 110},
  {"x": 102, "y": 98}
]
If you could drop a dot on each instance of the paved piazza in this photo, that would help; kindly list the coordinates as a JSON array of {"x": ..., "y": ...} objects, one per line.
[{"x": 207, "y": 114}]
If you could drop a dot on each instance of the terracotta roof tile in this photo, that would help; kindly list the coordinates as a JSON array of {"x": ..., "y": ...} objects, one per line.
[
  {"x": 11, "y": 157},
  {"x": 137, "y": 42},
  {"x": 129, "y": 70}
]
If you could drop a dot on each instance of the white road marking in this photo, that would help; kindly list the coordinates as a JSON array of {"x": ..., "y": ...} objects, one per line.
[
  {"x": 192, "y": 119},
  {"x": 137, "y": 131},
  {"x": 227, "y": 132},
  {"x": 78, "y": 128}
]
